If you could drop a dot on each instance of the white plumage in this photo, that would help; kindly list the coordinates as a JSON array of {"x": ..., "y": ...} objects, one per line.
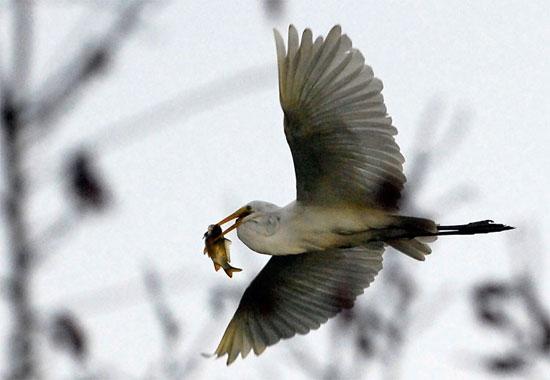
[{"x": 327, "y": 245}]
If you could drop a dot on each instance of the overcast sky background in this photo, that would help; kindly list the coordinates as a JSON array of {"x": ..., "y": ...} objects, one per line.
[{"x": 173, "y": 173}]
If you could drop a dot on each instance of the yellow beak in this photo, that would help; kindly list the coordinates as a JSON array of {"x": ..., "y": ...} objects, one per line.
[{"x": 239, "y": 214}]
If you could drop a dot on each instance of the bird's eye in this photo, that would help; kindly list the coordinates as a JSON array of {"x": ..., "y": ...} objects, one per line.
[{"x": 248, "y": 211}]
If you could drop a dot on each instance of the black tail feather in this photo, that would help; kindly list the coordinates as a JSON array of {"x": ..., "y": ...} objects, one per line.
[{"x": 481, "y": 227}]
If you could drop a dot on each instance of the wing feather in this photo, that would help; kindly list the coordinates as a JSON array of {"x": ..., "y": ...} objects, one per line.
[
  {"x": 336, "y": 123},
  {"x": 297, "y": 293}
]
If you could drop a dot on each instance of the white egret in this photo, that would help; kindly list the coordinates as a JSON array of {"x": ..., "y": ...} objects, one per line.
[{"x": 327, "y": 245}]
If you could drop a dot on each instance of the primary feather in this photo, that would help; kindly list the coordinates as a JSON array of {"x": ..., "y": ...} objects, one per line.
[{"x": 336, "y": 124}]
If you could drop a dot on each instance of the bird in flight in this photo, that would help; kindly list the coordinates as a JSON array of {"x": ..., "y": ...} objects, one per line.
[{"x": 327, "y": 245}]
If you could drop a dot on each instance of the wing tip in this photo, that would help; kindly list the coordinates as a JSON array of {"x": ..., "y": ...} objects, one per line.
[
  {"x": 292, "y": 29},
  {"x": 279, "y": 42},
  {"x": 277, "y": 34},
  {"x": 234, "y": 342},
  {"x": 335, "y": 32}
]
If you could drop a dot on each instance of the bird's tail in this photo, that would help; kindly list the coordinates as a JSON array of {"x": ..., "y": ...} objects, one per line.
[{"x": 415, "y": 233}]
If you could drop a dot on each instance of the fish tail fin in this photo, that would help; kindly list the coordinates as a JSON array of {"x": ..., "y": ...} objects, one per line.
[{"x": 229, "y": 270}]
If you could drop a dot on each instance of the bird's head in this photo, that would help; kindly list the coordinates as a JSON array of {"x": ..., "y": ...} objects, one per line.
[{"x": 251, "y": 212}]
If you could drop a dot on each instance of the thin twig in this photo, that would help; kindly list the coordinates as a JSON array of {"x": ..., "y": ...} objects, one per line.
[
  {"x": 169, "y": 326},
  {"x": 23, "y": 13},
  {"x": 71, "y": 77},
  {"x": 55, "y": 232},
  {"x": 184, "y": 105},
  {"x": 139, "y": 125}
]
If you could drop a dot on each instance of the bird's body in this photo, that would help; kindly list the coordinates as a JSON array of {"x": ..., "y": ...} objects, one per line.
[
  {"x": 298, "y": 228},
  {"x": 327, "y": 245}
]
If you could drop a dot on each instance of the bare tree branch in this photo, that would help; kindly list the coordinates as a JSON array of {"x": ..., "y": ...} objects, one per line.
[
  {"x": 186, "y": 104},
  {"x": 22, "y": 348},
  {"x": 22, "y": 46},
  {"x": 22, "y": 353},
  {"x": 93, "y": 58},
  {"x": 169, "y": 326},
  {"x": 55, "y": 232}
]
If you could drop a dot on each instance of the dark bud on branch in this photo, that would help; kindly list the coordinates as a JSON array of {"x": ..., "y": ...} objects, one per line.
[
  {"x": 487, "y": 303},
  {"x": 506, "y": 364},
  {"x": 85, "y": 183},
  {"x": 491, "y": 317},
  {"x": 9, "y": 112},
  {"x": 544, "y": 343},
  {"x": 365, "y": 345},
  {"x": 68, "y": 335},
  {"x": 95, "y": 63}
]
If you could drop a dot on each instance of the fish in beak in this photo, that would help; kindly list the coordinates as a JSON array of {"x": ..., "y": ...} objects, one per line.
[{"x": 217, "y": 246}]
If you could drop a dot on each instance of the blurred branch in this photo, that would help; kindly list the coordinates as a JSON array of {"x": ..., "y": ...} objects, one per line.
[
  {"x": 22, "y": 353},
  {"x": 454, "y": 199},
  {"x": 203, "y": 98},
  {"x": 427, "y": 153},
  {"x": 307, "y": 363},
  {"x": 23, "y": 13},
  {"x": 497, "y": 305},
  {"x": 76, "y": 34},
  {"x": 220, "y": 295},
  {"x": 169, "y": 326},
  {"x": 89, "y": 193},
  {"x": 171, "y": 367},
  {"x": 18, "y": 112},
  {"x": 455, "y": 133},
  {"x": 15, "y": 113},
  {"x": 539, "y": 314},
  {"x": 126, "y": 293},
  {"x": 184, "y": 105},
  {"x": 55, "y": 232},
  {"x": 91, "y": 61},
  {"x": 274, "y": 9},
  {"x": 421, "y": 159},
  {"x": 21, "y": 253},
  {"x": 67, "y": 333}
]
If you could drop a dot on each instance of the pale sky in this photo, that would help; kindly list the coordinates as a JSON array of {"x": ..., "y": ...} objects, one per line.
[{"x": 482, "y": 63}]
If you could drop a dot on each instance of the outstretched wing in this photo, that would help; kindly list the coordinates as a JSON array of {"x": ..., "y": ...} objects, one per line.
[
  {"x": 336, "y": 124},
  {"x": 297, "y": 293}
]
